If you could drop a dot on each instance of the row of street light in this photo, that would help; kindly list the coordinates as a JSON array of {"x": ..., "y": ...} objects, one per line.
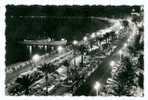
[
  {"x": 97, "y": 84},
  {"x": 60, "y": 48},
  {"x": 113, "y": 63},
  {"x": 36, "y": 58}
]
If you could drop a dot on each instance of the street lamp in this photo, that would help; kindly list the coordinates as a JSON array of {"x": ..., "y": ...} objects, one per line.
[
  {"x": 112, "y": 63},
  {"x": 75, "y": 42},
  {"x": 92, "y": 35},
  {"x": 97, "y": 87},
  {"x": 49, "y": 39},
  {"x": 116, "y": 32},
  {"x": 85, "y": 38},
  {"x": 60, "y": 49},
  {"x": 35, "y": 59},
  {"x": 129, "y": 39},
  {"x": 62, "y": 39},
  {"x": 121, "y": 27},
  {"x": 98, "y": 33},
  {"x": 125, "y": 45}
]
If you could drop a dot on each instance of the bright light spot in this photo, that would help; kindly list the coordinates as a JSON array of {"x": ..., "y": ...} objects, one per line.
[
  {"x": 128, "y": 40},
  {"x": 49, "y": 39},
  {"x": 125, "y": 45},
  {"x": 133, "y": 10},
  {"x": 60, "y": 48},
  {"x": 116, "y": 32},
  {"x": 46, "y": 47},
  {"x": 97, "y": 85},
  {"x": 112, "y": 63},
  {"x": 52, "y": 48},
  {"x": 44, "y": 88},
  {"x": 92, "y": 35},
  {"x": 121, "y": 27},
  {"x": 30, "y": 49},
  {"x": 62, "y": 39},
  {"x": 98, "y": 33},
  {"x": 85, "y": 38},
  {"x": 120, "y": 52},
  {"x": 75, "y": 42},
  {"x": 36, "y": 58}
]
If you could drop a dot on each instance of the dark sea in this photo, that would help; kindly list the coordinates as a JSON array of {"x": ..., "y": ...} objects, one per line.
[{"x": 18, "y": 29}]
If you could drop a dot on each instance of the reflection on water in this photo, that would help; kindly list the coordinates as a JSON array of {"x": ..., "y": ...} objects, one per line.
[{"x": 19, "y": 29}]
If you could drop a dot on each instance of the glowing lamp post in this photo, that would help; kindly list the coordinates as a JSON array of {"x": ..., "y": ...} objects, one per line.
[
  {"x": 116, "y": 32},
  {"x": 60, "y": 49},
  {"x": 85, "y": 38},
  {"x": 121, "y": 27},
  {"x": 36, "y": 58},
  {"x": 97, "y": 87},
  {"x": 62, "y": 39},
  {"x": 98, "y": 33},
  {"x": 75, "y": 42},
  {"x": 125, "y": 45},
  {"x": 128, "y": 40},
  {"x": 112, "y": 63},
  {"x": 92, "y": 35}
]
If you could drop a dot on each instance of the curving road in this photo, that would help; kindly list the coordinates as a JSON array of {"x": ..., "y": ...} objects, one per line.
[{"x": 103, "y": 72}]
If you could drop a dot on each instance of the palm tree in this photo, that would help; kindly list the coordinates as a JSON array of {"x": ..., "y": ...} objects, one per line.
[
  {"x": 106, "y": 37},
  {"x": 141, "y": 62},
  {"x": 141, "y": 80},
  {"x": 46, "y": 69},
  {"x": 100, "y": 39},
  {"x": 125, "y": 77},
  {"x": 91, "y": 43},
  {"x": 125, "y": 23},
  {"x": 15, "y": 89},
  {"x": 136, "y": 46},
  {"x": 66, "y": 63},
  {"x": 113, "y": 35},
  {"x": 82, "y": 49},
  {"x": 24, "y": 82}
]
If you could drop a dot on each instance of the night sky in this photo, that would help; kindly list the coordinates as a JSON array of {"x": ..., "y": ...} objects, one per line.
[{"x": 21, "y": 24}]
